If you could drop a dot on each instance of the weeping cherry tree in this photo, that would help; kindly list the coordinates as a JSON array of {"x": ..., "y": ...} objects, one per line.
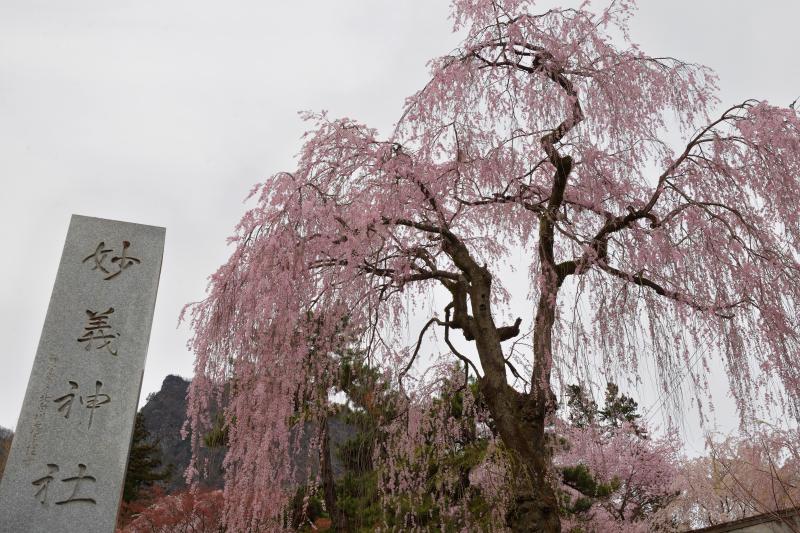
[{"x": 543, "y": 135}]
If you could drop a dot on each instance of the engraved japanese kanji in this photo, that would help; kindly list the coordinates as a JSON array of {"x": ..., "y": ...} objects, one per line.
[
  {"x": 81, "y": 479},
  {"x": 43, "y": 482},
  {"x": 91, "y": 402},
  {"x": 66, "y": 469},
  {"x": 98, "y": 333},
  {"x": 116, "y": 265},
  {"x": 78, "y": 480},
  {"x": 65, "y": 401}
]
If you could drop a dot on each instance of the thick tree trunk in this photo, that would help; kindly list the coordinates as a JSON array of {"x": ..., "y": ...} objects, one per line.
[
  {"x": 535, "y": 408},
  {"x": 521, "y": 425},
  {"x": 536, "y": 503},
  {"x": 520, "y": 418}
]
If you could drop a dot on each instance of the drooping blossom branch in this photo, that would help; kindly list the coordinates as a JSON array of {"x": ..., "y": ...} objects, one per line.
[{"x": 537, "y": 135}]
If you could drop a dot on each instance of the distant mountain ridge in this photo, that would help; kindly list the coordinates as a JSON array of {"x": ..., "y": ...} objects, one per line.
[{"x": 164, "y": 416}]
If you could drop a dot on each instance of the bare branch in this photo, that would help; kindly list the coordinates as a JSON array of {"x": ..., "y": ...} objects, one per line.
[
  {"x": 428, "y": 324},
  {"x": 642, "y": 281}
]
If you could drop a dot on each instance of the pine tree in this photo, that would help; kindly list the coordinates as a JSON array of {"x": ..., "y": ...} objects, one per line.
[
  {"x": 613, "y": 474},
  {"x": 370, "y": 402},
  {"x": 145, "y": 466},
  {"x": 619, "y": 409}
]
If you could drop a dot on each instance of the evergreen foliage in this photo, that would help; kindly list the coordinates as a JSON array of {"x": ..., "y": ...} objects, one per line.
[
  {"x": 370, "y": 401},
  {"x": 145, "y": 466},
  {"x": 608, "y": 430},
  {"x": 618, "y": 409}
]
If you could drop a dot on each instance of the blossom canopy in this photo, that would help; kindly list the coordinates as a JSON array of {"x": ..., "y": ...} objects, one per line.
[{"x": 542, "y": 135}]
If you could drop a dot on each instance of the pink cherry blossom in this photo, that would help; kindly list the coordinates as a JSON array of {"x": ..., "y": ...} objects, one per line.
[{"x": 541, "y": 135}]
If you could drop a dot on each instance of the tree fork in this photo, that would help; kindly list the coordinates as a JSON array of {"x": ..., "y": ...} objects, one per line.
[{"x": 520, "y": 418}]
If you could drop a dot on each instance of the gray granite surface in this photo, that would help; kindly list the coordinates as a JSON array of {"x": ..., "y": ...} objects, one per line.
[{"x": 67, "y": 462}]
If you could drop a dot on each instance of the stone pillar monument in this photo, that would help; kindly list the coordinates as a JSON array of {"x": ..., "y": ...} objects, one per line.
[{"x": 67, "y": 463}]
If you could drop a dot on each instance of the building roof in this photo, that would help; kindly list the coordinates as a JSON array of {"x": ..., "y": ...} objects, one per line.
[{"x": 789, "y": 518}]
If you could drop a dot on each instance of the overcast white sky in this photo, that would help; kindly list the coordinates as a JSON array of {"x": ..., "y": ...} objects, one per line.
[{"x": 167, "y": 112}]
